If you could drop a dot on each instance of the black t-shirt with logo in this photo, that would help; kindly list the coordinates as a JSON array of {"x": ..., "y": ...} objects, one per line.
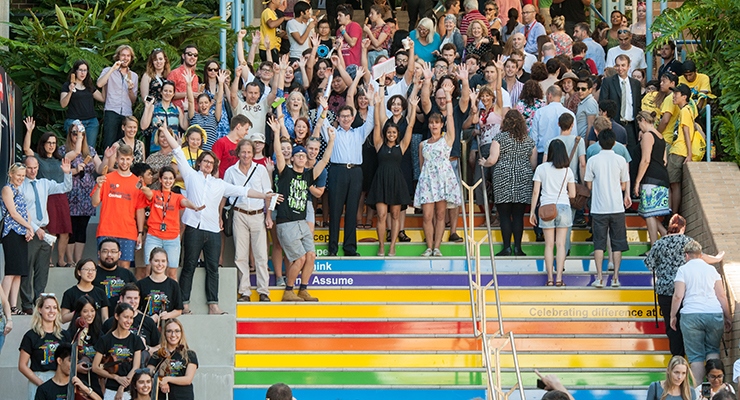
[
  {"x": 177, "y": 368},
  {"x": 122, "y": 351},
  {"x": 73, "y": 294},
  {"x": 112, "y": 282},
  {"x": 49, "y": 390},
  {"x": 158, "y": 297},
  {"x": 294, "y": 188},
  {"x": 148, "y": 332},
  {"x": 41, "y": 349}
]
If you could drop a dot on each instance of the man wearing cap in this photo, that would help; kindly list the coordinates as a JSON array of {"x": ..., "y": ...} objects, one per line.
[
  {"x": 668, "y": 110},
  {"x": 680, "y": 152},
  {"x": 670, "y": 64},
  {"x": 225, "y": 147},
  {"x": 698, "y": 83},
  {"x": 635, "y": 54},
  {"x": 295, "y": 237},
  {"x": 251, "y": 220},
  {"x": 345, "y": 175}
]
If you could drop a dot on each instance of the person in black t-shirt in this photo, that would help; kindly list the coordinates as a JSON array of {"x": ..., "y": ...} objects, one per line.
[
  {"x": 85, "y": 308},
  {"x": 78, "y": 96},
  {"x": 118, "y": 352},
  {"x": 56, "y": 387},
  {"x": 174, "y": 364},
  {"x": 162, "y": 299},
  {"x": 293, "y": 232},
  {"x": 85, "y": 272},
  {"x": 110, "y": 277},
  {"x": 143, "y": 326},
  {"x": 141, "y": 385}
]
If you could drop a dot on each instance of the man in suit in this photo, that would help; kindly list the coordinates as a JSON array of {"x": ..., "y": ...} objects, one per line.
[{"x": 625, "y": 91}]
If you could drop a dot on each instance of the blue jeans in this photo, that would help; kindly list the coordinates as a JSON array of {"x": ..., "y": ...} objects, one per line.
[
  {"x": 702, "y": 334},
  {"x": 112, "y": 122},
  {"x": 2, "y": 335},
  {"x": 194, "y": 241},
  {"x": 92, "y": 128},
  {"x": 171, "y": 246}
]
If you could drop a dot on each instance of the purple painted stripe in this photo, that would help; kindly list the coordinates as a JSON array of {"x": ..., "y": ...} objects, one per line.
[{"x": 350, "y": 279}]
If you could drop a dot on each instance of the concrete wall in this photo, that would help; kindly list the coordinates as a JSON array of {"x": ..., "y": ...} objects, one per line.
[
  {"x": 711, "y": 206},
  {"x": 212, "y": 337}
]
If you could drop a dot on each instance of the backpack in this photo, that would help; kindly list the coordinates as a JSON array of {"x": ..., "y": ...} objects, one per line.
[{"x": 577, "y": 66}]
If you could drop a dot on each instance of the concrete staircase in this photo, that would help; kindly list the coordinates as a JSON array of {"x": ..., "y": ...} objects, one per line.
[{"x": 392, "y": 327}]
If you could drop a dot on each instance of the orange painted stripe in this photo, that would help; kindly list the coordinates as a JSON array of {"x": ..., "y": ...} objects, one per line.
[{"x": 446, "y": 344}]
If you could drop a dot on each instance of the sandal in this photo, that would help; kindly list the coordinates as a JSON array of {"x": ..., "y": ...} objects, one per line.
[
  {"x": 251, "y": 268},
  {"x": 550, "y": 283},
  {"x": 16, "y": 311},
  {"x": 402, "y": 237},
  {"x": 559, "y": 283}
]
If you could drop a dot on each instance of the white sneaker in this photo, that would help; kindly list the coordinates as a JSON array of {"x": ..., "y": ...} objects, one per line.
[
  {"x": 427, "y": 252},
  {"x": 436, "y": 253},
  {"x": 615, "y": 283},
  {"x": 280, "y": 281},
  {"x": 598, "y": 283}
]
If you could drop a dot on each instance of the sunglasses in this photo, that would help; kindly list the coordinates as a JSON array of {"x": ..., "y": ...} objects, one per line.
[
  {"x": 622, "y": 31},
  {"x": 187, "y": 53},
  {"x": 581, "y": 89},
  {"x": 48, "y": 295},
  {"x": 212, "y": 69}
]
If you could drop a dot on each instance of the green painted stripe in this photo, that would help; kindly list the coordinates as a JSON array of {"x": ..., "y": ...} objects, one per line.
[
  {"x": 458, "y": 249},
  {"x": 443, "y": 378}
]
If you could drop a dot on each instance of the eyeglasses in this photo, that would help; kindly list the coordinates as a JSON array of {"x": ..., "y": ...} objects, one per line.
[
  {"x": 104, "y": 252},
  {"x": 715, "y": 377},
  {"x": 581, "y": 89},
  {"x": 207, "y": 161},
  {"x": 171, "y": 331},
  {"x": 190, "y": 54},
  {"x": 88, "y": 269},
  {"x": 440, "y": 66}
]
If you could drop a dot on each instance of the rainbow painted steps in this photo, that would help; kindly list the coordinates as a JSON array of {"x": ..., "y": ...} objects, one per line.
[
  {"x": 415, "y": 221},
  {"x": 464, "y": 393}
]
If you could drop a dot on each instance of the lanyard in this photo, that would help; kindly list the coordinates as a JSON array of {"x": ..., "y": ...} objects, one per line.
[{"x": 165, "y": 204}]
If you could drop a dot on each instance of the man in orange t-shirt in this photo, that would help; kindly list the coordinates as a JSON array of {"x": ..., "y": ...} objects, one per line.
[{"x": 122, "y": 209}]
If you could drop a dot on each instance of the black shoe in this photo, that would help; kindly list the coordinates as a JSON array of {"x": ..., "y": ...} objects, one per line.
[
  {"x": 264, "y": 298},
  {"x": 402, "y": 237},
  {"x": 506, "y": 252},
  {"x": 332, "y": 254},
  {"x": 580, "y": 223},
  {"x": 518, "y": 252},
  {"x": 590, "y": 238},
  {"x": 454, "y": 237},
  {"x": 352, "y": 254},
  {"x": 388, "y": 236},
  {"x": 540, "y": 237}
]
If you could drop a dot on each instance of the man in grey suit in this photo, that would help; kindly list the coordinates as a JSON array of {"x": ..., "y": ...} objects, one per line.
[{"x": 625, "y": 91}]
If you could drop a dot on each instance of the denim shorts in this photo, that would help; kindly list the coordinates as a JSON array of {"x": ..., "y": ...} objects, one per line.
[
  {"x": 563, "y": 220},
  {"x": 702, "y": 334},
  {"x": 171, "y": 246}
]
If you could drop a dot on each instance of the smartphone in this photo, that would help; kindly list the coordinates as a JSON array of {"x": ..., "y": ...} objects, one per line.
[
  {"x": 706, "y": 390},
  {"x": 149, "y": 99},
  {"x": 540, "y": 384}
]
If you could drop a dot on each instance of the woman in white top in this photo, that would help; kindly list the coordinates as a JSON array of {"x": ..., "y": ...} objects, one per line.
[
  {"x": 550, "y": 178},
  {"x": 699, "y": 287}
]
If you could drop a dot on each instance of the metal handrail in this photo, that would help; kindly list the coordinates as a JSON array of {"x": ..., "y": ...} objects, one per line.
[{"x": 468, "y": 249}]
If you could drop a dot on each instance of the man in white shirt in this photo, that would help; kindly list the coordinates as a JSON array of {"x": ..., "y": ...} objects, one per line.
[
  {"x": 607, "y": 175},
  {"x": 251, "y": 220},
  {"x": 202, "y": 228},
  {"x": 636, "y": 54},
  {"x": 250, "y": 102},
  {"x": 299, "y": 29},
  {"x": 36, "y": 192}
]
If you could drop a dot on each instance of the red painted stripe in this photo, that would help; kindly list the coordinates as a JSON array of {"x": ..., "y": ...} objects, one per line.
[{"x": 442, "y": 327}]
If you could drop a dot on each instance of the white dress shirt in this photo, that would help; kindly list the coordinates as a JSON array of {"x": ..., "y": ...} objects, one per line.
[
  {"x": 45, "y": 187},
  {"x": 260, "y": 182},
  {"x": 627, "y": 111},
  {"x": 204, "y": 190}
]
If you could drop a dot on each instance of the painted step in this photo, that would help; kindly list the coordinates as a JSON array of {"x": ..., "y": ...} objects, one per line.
[
  {"x": 298, "y": 311},
  {"x": 321, "y": 235},
  {"x": 446, "y": 360},
  {"x": 459, "y": 264},
  {"x": 438, "y": 378},
  {"x": 462, "y": 295},
  {"x": 415, "y": 220},
  {"x": 360, "y": 279},
  {"x": 430, "y": 394},
  {"x": 410, "y": 344},
  {"x": 414, "y": 249}
]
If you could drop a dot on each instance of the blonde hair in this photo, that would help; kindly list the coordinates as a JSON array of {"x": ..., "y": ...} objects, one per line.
[
  {"x": 15, "y": 168},
  {"x": 558, "y": 22},
  {"x": 37, "y": 323},
  {"x": 646, "y": 116},
  {"x": 183, "y": 342},
  {"x": 304, "y": 106},
  {"x": 482, "y": 26},
  {"x": 685, "y": 387},
  {"x": 122, "y": 48},
  {"x": 429, "y": 25}
]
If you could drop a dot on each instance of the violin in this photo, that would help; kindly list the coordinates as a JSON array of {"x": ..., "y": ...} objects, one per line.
[
  {"x": 73, "y": 391},
  {"x": 163, "y": 369}
]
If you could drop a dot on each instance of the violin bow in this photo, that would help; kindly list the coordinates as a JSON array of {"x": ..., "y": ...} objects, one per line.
[{"x": 143, "y": 317}]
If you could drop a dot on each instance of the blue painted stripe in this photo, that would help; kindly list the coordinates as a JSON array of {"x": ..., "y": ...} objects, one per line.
[
  {"x": 427, "y": 394},
  {"x": 460, "y": 265}
]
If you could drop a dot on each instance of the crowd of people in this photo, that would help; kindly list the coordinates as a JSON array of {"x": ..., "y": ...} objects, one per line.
[{"x": 545, "y": 111}]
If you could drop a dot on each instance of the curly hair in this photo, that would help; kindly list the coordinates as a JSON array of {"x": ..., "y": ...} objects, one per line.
[
  {"x": 530, "y": 92},
  {"x": 539, "y": 72},
  {"x": 515, "y": 125}
]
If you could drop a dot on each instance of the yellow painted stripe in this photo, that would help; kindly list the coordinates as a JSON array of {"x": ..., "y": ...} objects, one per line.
[
  {"x": 463, "y": 296},
  {"x": 321, "y": 235},
  {"x": 421, "y": 311},
  {"x": 345, "y": 360}
]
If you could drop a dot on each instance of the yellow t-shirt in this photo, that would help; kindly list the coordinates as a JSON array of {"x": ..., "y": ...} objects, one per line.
[
  {"x": 700, "y": 84},
  {"x": 668, "y": 106},
  {"x": 647, "y": 103},
  {"x": 269, "y": 15},
  {"x": 191, "y": 157},
  {"x": 685, "y": 118}
]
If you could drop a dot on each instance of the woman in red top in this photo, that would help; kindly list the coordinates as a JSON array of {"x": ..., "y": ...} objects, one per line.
[{"x": 164, "y": 220}]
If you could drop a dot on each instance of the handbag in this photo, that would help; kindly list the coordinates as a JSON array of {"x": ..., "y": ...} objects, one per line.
[
  {"x": 549, "y": 212},
  {"x": 582, "y": 192},
  {"x": 227, "y": 213},
  {"x": 698, "y": 144}
]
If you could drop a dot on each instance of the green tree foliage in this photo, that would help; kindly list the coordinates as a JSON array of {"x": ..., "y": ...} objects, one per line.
[
  {"x": 716, "y": 25},
  {"x": 42, "y": 51}
]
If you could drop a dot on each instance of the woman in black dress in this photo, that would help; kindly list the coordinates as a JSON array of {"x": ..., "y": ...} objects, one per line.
[{"x": 389, "y": 189}]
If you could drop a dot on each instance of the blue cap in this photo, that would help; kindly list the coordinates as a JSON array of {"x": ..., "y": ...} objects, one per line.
[{"x": 299, "y": 149}]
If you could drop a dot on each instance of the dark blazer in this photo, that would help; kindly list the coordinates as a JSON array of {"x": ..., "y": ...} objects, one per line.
[{"x": 611, "y": 90}]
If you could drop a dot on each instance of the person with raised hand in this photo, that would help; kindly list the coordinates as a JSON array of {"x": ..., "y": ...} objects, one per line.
[
  {"x": 203, "y": 113},
  {"x": 119, "y": 84}
]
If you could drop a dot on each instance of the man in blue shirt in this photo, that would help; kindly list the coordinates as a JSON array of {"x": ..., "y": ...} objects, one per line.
[
  {"x": 582, "y": 32},
  {"x": 544, "y": 123},
  {"x": 531, "y": 29}
]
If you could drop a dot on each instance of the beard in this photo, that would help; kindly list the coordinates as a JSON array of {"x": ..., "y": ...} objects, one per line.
[
  {"x": 108, "y": 265},
  {"x": 401, "y": 69}
]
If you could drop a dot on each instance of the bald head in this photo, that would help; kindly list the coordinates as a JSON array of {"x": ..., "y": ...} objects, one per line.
[
  {"x": 32, "y": 167},
  {"x": 528, "y": 13}
]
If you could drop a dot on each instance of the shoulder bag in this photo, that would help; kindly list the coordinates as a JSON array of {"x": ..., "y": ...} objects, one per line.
[
  {"x": 549, "y": 212},
  {"x": 582, "y": 192},
  {"x": 227, "y": 214}
]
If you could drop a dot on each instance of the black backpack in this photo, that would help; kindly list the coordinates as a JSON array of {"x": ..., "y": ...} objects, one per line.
[{"x": 578, "y": 66}]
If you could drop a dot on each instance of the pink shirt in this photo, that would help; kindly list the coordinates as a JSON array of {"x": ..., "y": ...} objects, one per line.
[
  {"x": 180, "y": 85},
  {"x": 352, "y": 55}
]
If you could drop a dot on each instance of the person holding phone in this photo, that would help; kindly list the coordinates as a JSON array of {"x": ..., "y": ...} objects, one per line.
[{"x": 78, "y": 96}]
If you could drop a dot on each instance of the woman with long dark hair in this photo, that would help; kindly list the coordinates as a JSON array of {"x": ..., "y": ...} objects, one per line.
[
  {"x": 530, "y": 100},
  {"x": 141, "y": 385},
  {"x": 122, "y": 352},
  {"x": 513, "y": 156},
  {"x": 555, "y": 181},
  {"x": 79, "y": 94},
  {"x": 212, "y": 86},
  {"x": 157, "y": 69},
  {"x": 89, "y": 310}
]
